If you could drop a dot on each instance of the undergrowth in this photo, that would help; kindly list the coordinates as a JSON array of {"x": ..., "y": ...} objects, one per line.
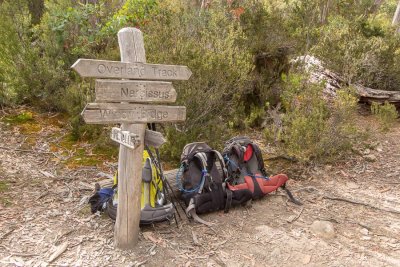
[
  {"x": 312, "y": 126},
  {"x": 385, "y": 113}
]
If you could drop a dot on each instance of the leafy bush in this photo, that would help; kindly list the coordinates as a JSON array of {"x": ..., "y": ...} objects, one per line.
[
  {"x": 237, "y": 50},
  {"x": 363, "y": 50},
  {"x": 387, "y": 114},
  {"x": 313, "y": 126}
]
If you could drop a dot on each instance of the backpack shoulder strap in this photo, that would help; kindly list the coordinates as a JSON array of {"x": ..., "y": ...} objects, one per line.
[
  {"x": 222, "y": 163},
  {"x": 260, "y": 160}
]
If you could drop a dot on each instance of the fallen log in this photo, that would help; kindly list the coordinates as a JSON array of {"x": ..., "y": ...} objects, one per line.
[
  {"x": 333, "y": 82},
  {"x": 369, "y": 95}
]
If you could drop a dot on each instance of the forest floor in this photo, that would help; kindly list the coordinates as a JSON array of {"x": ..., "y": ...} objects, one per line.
[{"x": 45, "y": 221}]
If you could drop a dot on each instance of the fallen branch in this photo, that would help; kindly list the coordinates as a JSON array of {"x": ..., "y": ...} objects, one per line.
[
  {"x": 26, "y": 150},
  {"x": 370, "y": 95},
  {"x": 290, "y": 220},
  {"x": 360, "y": 203},
  {"x": 60, "y": 250},
  {"x": 7, "y": 233}
]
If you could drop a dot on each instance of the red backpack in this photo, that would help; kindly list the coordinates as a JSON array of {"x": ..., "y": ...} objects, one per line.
[{"x": 245, "y": 168}]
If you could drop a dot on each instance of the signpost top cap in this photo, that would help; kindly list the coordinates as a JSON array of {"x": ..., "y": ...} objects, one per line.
[{"x": 129, "y": 29}]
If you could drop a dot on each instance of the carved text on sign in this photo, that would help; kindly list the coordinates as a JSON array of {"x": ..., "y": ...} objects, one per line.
[
  {"x": 124, "y": 137},
  {"x": 134, "y": 91},
  {"x": 133, "y": 113},
  {"x": 143, "y": 71}
]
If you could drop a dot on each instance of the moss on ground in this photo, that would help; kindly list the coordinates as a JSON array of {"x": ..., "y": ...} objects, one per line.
[
  {"x": 4, "y": 200},
  {"x": 84, "y": 152},
  {"x": 3, "y": 186}
]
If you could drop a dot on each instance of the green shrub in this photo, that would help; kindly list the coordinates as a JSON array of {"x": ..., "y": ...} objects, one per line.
[
  {"x": 387, "y": 114},
  {"x": 314, "y": 127}
]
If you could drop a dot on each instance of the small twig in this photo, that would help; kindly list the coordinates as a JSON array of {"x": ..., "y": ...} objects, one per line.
[
  {"x": 195, "y": 239},
  {"x": 20, "y": 254},
  {"x": 297, "y": 216},
  {"x": 7, "y": 233},
  {"x": 42, "y": 195},
  {"x": 60, "y": 250},
  {"x": 361, "y": 203},
  {"x": 26, "y": 150}
]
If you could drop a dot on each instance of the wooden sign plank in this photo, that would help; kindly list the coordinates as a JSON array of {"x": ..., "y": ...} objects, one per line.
[
  {"x": 142, "y": 71},
  {"x": 153, "y": 138},
  {"x": 102, "y": 113},
  {"x": 125, "y": 138},
  {"x": 134, "y": 91}
]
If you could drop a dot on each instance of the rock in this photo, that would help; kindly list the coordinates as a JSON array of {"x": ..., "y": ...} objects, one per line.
[
  {"x": 379, "y": 148},
  {"x": 366, "y": 151},
  {"x": 323, "y": 229},
  {"x": 364, "y": 231},
  {"x": 306, "y": 259},
  {"x": 366, "y": 238},
  {"x": 370, "y": 158},
  {"x": 352, "y": 185},
  {"x": 276, "y": 252}
]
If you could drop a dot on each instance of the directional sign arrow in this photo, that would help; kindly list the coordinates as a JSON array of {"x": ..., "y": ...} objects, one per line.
[
  {"x": 142, "y": 71},
  {"x": 134, "y": 91},
  {"x": 124, "y": 137},
  {"x": 101, "y": 113},
  {"x": 153, "y": 138}
]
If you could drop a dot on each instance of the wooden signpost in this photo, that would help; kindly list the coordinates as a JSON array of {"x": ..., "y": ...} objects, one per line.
[{"x": 133, "y": 117}]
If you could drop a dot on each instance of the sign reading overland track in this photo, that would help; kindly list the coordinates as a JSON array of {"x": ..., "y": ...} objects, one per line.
[
  {"x": 142, "y": 71},
  {"x": 102, "y": 113},
  {"x": 134, "y": 91}
]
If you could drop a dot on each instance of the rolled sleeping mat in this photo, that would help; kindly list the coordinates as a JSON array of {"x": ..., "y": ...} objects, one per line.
[{"x": 148, "y": 214}]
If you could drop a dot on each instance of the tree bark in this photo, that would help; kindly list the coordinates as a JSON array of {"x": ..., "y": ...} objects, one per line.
[
  {"x": 36, "y": 9},
  {"x": 325, "y": 11},
  {"x": 375, "y": 6},
  {"x": 396, "y": 17},
  {"x": 369, "y": 95}
]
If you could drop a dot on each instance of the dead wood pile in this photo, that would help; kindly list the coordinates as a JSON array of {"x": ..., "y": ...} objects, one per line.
[{"x": 333, "y": 82}]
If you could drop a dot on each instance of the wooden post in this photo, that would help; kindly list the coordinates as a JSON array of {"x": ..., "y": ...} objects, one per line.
[
  {"x": 130, "y": 160},
  {"x": 146, "y": 84}
]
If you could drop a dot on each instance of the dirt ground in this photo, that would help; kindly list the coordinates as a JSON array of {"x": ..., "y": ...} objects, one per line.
[{"x": 44, "y": 218}]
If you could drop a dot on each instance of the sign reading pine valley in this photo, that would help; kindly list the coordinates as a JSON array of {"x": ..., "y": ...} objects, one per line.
[{"x": 143, "y": 71}]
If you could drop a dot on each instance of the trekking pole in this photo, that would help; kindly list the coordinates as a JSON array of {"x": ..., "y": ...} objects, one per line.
[
  {"x": 168, "y": 187},
  {"x": 160, "y": 172}
]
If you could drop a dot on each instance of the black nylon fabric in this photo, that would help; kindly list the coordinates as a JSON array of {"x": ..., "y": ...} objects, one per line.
[{"x": 206, "y": 203}]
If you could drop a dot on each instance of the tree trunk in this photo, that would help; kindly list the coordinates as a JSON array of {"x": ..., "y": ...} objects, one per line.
[
  {"x": 396, "y": 17},
  {"x": 36, "y": 9},
  {"x": 325, "y": 11},
  {"x": 375, "y": 6}
]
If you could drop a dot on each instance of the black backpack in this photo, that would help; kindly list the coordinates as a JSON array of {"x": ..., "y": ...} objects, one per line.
[{"x": 201, "y": 180}]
